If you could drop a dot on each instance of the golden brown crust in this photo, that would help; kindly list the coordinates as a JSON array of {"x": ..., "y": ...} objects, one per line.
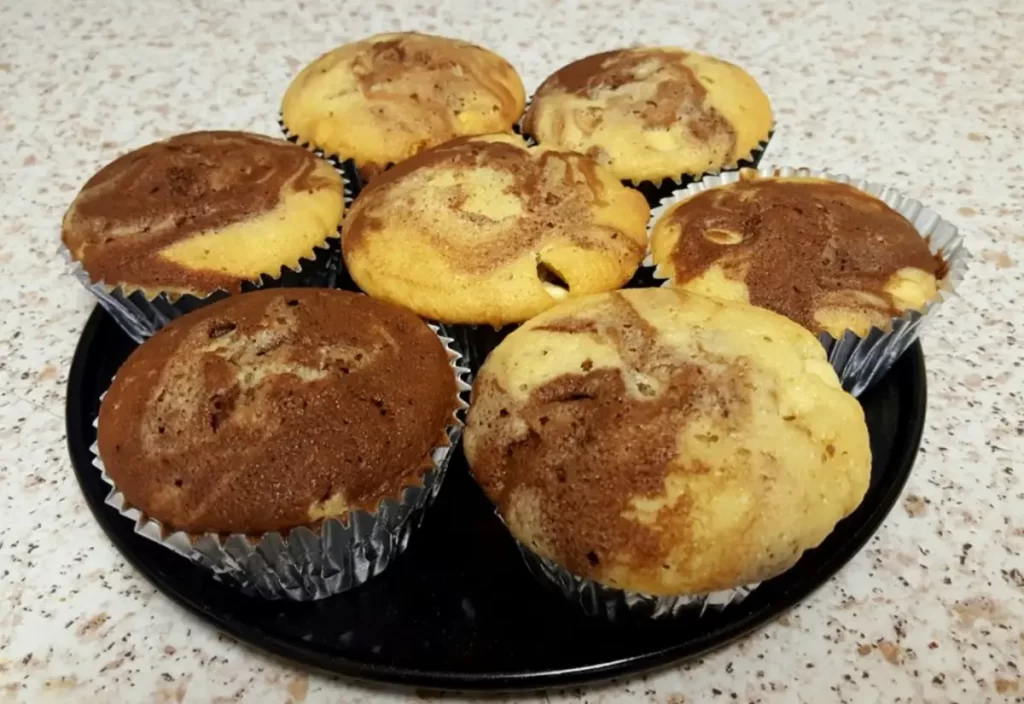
[
  {"x": 269, "y": 409},
  {"x": 385, "y": 98},
  {"x": 540, "y": 212},
  {"x": 651, "y": 113},
  {"x": 798, "y": 242},
  {"x": 165, "y": 193},
  {"x": 458, "y": 232},
  {"x": 666, "y": 443},
  {"x": 678, "y": 92}
]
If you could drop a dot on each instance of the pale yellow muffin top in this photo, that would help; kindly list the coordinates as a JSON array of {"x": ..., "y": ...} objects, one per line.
[
  {"x": 382, "y": 99},
  {"x": 652, "y": 113},
  {"x": 666, "y": 443},
  {"x": 202, "y": 212},
  {"x": 825, "y": 254},
  {"x": 486, "y": 230}
]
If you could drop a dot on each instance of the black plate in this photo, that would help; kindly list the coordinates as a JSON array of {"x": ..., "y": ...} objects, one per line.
[{"x": 459, "y": 610}]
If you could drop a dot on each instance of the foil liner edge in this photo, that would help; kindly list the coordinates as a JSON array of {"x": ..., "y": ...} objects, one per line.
[
  {"x": 140, "y": 315},
  {"x": 682, "y": 180},
  {"x": 598, "y": 600}
]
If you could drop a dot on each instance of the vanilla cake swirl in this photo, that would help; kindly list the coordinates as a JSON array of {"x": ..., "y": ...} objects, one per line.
[{"x": 486, "y": 230}]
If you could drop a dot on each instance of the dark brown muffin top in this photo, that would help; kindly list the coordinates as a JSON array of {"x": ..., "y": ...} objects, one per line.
[
  {"x": 276, "y": 409},
  {"x": 798, "y": 246},
  {"x": 134, "y": 210}
]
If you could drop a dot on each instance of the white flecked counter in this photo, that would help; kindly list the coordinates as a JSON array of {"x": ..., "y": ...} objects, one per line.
[{"x": 927, "y": 94}]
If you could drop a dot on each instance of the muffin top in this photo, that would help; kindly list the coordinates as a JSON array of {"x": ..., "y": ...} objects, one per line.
[
  {"x": 822, "y": 253},
  {"x": 276, "y": 409},
  {"x": 485, "y": 230},
  {"x": 652, "y": 113},
  {"x": 203, "y": 211},
  {"x": 666, "y": 443},
  {"x": 382, "y": 99}
]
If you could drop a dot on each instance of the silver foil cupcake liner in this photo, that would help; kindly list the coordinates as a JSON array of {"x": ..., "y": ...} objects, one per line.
[
  {"x": 140, "y": 314},
  {"x": 477, "y": 341},
  {"x": 346, "y": 166},
  {"x": 598, "y": 600},
  {"x": 311, "y": 563},
  {"x": 656, "y": 191},
  {"x": 861, "y": 360}
]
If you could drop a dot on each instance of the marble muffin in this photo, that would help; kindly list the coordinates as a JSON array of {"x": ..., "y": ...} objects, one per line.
[
  {"x": 383, "y": 99},
  {"x": 824, "y": 254},
  {"x": 652, "y": 113},
  {"x": 277, "y": 409},
  {"x": 664, "y": 443},
  {"x": 488, "y": 230},
  {"x": 203, "y": 212}
]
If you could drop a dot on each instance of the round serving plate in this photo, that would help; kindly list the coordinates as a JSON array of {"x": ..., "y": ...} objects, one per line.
[{"x": 459, "y": 610}]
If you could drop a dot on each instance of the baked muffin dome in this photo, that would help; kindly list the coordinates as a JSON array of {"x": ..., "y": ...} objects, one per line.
[
  {"x": 276, "y": 409},
  {"x": 202, "y": 212},
  {"x": 666, "y": 443},
  {"x": 652, "y": 113},
  {"x": 382, "y": 99},
  {"x": 488, "y": 230},
  {"x": 822, "y": 253}
]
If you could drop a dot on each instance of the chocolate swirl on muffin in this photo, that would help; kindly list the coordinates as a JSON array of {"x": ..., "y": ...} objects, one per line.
[
  {"x": 665, "y": 443},
  {"x": 651, "y": 113},
  {"x": 171, "y": 216},
  {"x": 488, "y": 230},
  {"x": 825, "y": 254},
  {"x": 276, "y": 409},
  {"x": 383, "y": 99}
]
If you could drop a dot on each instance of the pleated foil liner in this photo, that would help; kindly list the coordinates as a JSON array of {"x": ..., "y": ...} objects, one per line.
[
  {"x": 140, "y": 315},
  {"x": 345, "y": 166},
  {"x": 309, "y": 564},
  {"x": 477, "y": 341},
  {"x": 655, "y": 192},
  {"x": 601, "y": 601},
  {"x": 861, "y": 361}
]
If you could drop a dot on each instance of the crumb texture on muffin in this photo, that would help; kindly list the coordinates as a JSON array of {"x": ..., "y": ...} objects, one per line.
[
  {"x": 203, "y": 211},
  {"x": 487, "y": 230},
  {"x": 275, "y": 409},
  {"x": 822, "y": 253},
  {"x": 652, "y": 113},
  {"x": 666, "y": 443},
  {"x": 385, "y": 98}
]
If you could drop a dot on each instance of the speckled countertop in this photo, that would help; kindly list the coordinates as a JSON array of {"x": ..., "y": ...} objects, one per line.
[{"x": 926, "y": 94}]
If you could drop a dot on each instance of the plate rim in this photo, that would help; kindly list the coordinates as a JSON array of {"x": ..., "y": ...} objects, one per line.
[{"x": 519, "y": 681}]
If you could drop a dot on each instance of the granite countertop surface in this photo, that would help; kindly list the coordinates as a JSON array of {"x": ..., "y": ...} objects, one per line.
[{"x": 924, "y": 94}]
